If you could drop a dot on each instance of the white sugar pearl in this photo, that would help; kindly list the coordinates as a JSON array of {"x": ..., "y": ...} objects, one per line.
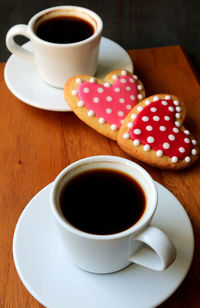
[
  {"x": 132, "y": 97},
  {"x": 126, "y": 136},
  {"x": 130, "y": 124},
  {"x": 149, "y": 128},
  {"x": 101, "y": 120},
  {"x": 194, "y": 152},
  {"x": 139, "y": 108},
  {"x": 171, "y": 137},
  {"x": 178, "y": 115},
  {"x": 177, "y": 124},
  {"x": 156, "y": 118},
  {"x": 86, "y": 90},
  {"x": 167, "y": 97},
  {"x": 194, "y": 142},
  {"x": 175, "y": 130},
  {"x": 136, "y": 142},
  {"x": 74, "y": 92},
  {"x": 137, "y": 131},
  {"x": 90, "y": 113},
  {"x": 186, "y": 132},
  {"x": 139, "y": 87},
  {"x": 162, "y": 128},
  {"x": 181, "y": 150},
  {"x": 187, "y": 140},
  {"x": 174, "y": 159},
  {"x": 147, "y": 102},
  {"x": 147, "y": 147},
  {"x": 153, "y": 109},
  {"x": 187, "y": 159},
  {"x": 145, "y": 119},
  {"x": 150, "y": 139},
  {"x": 100, "y": 90},
  {"x": 155, "y": 98},
  {"x": 92, "y": 79},
  {"x": 166, "y": 145},
  {"x": 159, "y": 153},
  {"x": 107, "y": 84},
  {"x": 117, "y": 89},
  {"x": 133, "y": 116},
  {"x": 114, "y": 76},
  {"x": 129, "y": 107},
  {"x": 176, "y": 103},
  {"x": 140, "y": 96},
  {"x": 135, "y": 77},
  {"x": 95, "y": 99},
  {"x": 80, "y": 104},
  {"x": 123, "y": 73},
  {"x": 113, "y": 127},
  {"x": 120, "y": 113},
  {"x": 178, "y": 109},
  {"x": 78, "y": 80},
  {"x": 108, "y": 110},
  {"x": 121, "y": 100},
  {"x": 109, "y": 98},
  {"x": 167, "y": 118}
]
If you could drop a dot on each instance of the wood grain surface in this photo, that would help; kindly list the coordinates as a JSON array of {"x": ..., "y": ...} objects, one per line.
[{"x": 36, "y": 145}]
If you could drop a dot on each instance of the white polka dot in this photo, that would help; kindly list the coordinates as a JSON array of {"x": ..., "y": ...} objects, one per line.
[
  {"x": 90, "y": 113},
  {"x": 120, "y": 113},
  {"x": 174, "y": 159},
  {"x": 126, "y": 136},
  {"x": 139, "y": 108},
  {"x": 108, "y": 110},
  {"x": 95, "y": 99},
  {"x": 159, "y": 153},
  {"x": 164, "y": 103},
  {"x": 130, "y": 124},
  {"x": 133, "y": 116},
  {"x": 117, "y": 89},
  {"x": 131, "y": 80},
  {"x": 109, "y": 98},
  {"x": 171, "y": 109},
  {"x": 171, "y": 137},
  {"x": 145, "y": 119},
  {"x": 137, "y": 131},
  {"x": 86, "y": 90},
  {"x": 187, "y": 159},
  {"x": 153, "y": 109},
  {"x": 100, "y": 90},
  {"x": 162, "y": 128},
  {"x": 150, "y": 139},
  {"x": 101, "y": 120},
  {"x": 128, "y": 88},
  {"x": 167, "y": 118},
  {"x": 149, "y": 128},
  {"x": 175, "y": 130},
  {"x": 194, "y": 152},
  {"x": 121, "y": 100},
  {"x": 113, "y": 127},
  {"x": 181, "y": 150},
  {"x": 147, "y": 147},
  {"x": 132, "y": 97},
  {"x": 136, "y": 142},
  {"x": 121, "y": 121},
  {"x": 129, "y": 107},
  {"x": 123, "y": 80},
  {"x": 74, "y": 92},
  {"x": 80, "y": 104},
  {"x": 114, "y": 76},
  {"x": 187, "y": 140},
  {"x": 166, "y": 145},
  {"x": 107, "y": 84},
  {"x": 92, "y": 79},
  {"x": 156, "y": 118}
]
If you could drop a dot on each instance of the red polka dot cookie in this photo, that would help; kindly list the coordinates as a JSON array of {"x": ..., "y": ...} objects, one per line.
[
  {"x": 104, "y": 103},
  {"x": 153, "y": 132}
]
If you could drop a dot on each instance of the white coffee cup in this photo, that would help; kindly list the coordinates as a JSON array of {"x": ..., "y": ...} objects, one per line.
[
  {"x": 57, "y": 62},
  {"x": 110, "y": 253}
]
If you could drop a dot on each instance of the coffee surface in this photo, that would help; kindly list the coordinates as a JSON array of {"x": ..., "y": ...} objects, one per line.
[
  {"x": 102, "y": 202},
  {"x": 64, "y": 29}
]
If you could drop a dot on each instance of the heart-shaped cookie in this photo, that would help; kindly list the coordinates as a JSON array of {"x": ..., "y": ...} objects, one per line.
[
  {"x": 104, "y": 103},
  {"x": 153, "y": 132}
]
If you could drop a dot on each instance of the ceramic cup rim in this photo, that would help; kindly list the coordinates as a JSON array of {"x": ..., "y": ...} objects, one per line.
[
  {"x": 91, "y": 13},
  {"x": 143, "y": 221}
]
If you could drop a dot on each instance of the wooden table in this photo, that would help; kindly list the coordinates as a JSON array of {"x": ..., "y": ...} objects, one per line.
[{"x": 36, "y": 145}]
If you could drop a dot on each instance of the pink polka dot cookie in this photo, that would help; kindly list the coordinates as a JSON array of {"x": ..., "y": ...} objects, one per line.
[
  {"x": 153, "y": 132},
  {"x": 103, "y": 104}
]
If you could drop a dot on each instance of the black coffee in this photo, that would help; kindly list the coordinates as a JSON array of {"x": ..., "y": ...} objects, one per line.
[
  {"x": 64, "y": 29},
  {"x": 102, "y": 201}
]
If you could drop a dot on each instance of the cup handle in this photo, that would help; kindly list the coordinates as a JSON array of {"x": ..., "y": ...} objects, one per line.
[
  {"x": 163, "y": 253},
  {"x": 14, "y": 47}
]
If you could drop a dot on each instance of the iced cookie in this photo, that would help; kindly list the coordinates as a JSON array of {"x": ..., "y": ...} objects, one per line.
[
  {"x": 104, "y": 103},
  {"x": 153, "y": 132}
]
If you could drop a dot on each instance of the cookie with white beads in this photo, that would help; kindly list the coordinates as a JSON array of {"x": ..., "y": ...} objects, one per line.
[
  {"x": 153, "y": 132},
  {"x": 104, "y": 103}
]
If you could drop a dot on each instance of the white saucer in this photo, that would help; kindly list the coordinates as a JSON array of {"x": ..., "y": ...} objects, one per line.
[
  {"x": 55, "y": 282},
  {"x": 22, "y": 79}
]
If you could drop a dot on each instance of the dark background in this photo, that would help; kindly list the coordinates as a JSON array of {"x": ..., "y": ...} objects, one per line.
[{"x": 133, "y": 24}]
